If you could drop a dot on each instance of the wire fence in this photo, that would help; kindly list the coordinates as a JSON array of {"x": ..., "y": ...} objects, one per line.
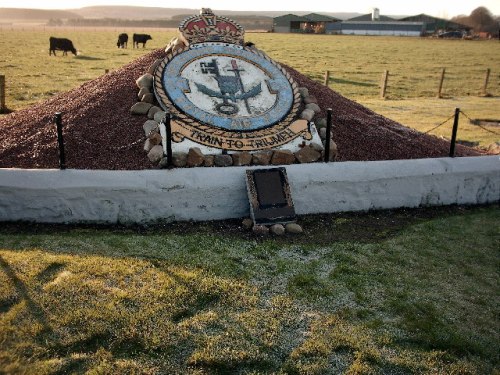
[{"x": 472, "y": 121}]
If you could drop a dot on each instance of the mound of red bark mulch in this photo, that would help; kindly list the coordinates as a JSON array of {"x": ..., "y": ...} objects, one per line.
[{"x": 100, "y": 133}]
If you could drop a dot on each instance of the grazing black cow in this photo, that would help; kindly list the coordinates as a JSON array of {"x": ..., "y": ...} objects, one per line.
[
  {"x": 122, "y": 40},
  {"x": 141, "y": 38},
  {"x": 61, "y": 44}
]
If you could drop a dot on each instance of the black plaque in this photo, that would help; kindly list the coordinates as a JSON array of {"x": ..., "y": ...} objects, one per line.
[{"x": 269, "y": 196}]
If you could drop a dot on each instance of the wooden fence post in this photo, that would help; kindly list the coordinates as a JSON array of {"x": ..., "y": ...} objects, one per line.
[
  {"x": 383, "y": 87},
  {"x": 327, "y": 78},
  {"x": 2, "y": 94},
  {"x": 486, "y": 79},
  {"x": 441, "y": 83},
  {"x": 106, "y": 71}
]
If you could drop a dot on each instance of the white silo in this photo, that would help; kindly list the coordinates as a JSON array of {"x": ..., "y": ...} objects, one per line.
[{"x": 375, "y": 14}]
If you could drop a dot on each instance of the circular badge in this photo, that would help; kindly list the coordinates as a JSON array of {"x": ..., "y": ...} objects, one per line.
[{"x": 226, "y": 86}]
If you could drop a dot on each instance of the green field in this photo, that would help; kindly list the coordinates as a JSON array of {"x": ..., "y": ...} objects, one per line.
[
  {"x": 356, "y": 65},
  {"x": 391, "y": 292}
]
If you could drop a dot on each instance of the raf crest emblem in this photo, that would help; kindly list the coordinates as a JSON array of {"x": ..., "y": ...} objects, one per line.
[{"x": 225, "y": 95}]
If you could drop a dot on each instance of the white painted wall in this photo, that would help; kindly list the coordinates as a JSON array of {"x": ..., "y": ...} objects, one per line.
[{"x": 220, "y": 193}]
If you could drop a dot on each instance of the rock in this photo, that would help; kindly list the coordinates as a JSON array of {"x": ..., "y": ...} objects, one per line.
[
  {"x": 277, "y": 229},
  {"x": 143, "y": 91},
  {"x": 314, "y": 107},
  {"x": 179, "y": 159},
  {"x": 153, "y": 66},
  {"x": 241, "y": 158},
  {"x": 140, "y": 108},
  {"x": 262, "y": 157},
  {"x": 334, "y": 152},
  {"x": 194, "y": 157},
  {"x": 317, "y": 146},
  {"x": 247, "y": 223},
  {"x": 494, "y": 148},
  {"x": 282, "y": 157},
  {"x": 145, "y": 80},
  {"x": 150, "y": 126},
  {"x": 304, "y": 92},
  {"x": 322, "y": 133},
  {"x": 310, "y": 99},
  {"x": 158, "y": 116},
  {"x": 163, "y": 163},
  {"x": 155, "y": 154},
  {"x": 148, "y": 98},
  {"x": 151, "y": 113},
  {"x": 307, "y": 155},
  {"x": 293, "y": 228},
  {"x": 174, "y": 45},
  {"x": 260, "y": 230},
  {"x": 155, "y": 139},
  {"x": 222, "y": 160},
  {"x": 208, "y": 161},
  {"x": 320, "y": 123},
  {"x": 148, "y": 145},
  {"x": 307, "y": 114}
]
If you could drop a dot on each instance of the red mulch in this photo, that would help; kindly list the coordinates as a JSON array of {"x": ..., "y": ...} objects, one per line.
[{"x": 100, "y": 132}]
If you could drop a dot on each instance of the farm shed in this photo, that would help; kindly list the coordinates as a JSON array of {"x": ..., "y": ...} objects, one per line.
[
  {"x": 318, "y": 23},
  {"x": 289, "y": 23},
  {"x": 377, "y": 28},
  {"x": 434, "y": 24},
  {"x": 310, "y": 23}
]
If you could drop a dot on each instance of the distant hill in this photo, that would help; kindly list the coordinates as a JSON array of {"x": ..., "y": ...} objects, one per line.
[
  {"x": 139, "y": 13},
  {"x": 35, "y": 14}
]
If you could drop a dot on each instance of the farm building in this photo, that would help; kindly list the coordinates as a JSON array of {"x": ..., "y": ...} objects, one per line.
[
  {"x": 289, "y": 23},
  {"x": 377, "y": 28},
  {"x": 366, "y": 24},
  {"x": 434, "y": 25},
  {"x": 310, "y": 23}
]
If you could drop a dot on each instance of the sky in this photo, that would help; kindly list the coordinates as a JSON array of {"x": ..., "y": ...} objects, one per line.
[{"x": 437, "y": 8}]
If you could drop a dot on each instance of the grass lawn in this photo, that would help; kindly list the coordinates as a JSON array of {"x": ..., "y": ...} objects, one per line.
[{"x": 390, "y": 292}]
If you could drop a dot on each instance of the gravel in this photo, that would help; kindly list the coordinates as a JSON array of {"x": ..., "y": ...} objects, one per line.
[{"x": 100, "y": 133}]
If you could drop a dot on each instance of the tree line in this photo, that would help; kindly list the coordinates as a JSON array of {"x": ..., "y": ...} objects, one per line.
[{"x": 481, "y": 20}]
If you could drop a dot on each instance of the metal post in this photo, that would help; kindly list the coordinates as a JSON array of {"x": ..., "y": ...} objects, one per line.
[
  {"x": 454, "y": 133},
  {"x": 2, "y": 94},
  {"x": 383, "y": 88},
  {"x": 441, "y": 83},
  {"x": 168, "y": 129},
  {"x": 486, "y": 79},
  {"x": 328, "y": 134},
  {"x": 327, "y": 78},
  {"x": 60, "y": 140}
]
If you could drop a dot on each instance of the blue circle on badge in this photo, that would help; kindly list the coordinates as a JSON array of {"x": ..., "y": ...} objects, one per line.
[{"x": 228, "y": 87}]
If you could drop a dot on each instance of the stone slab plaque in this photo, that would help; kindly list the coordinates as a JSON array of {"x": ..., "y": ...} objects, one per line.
[{"x": 269, "y": 196}]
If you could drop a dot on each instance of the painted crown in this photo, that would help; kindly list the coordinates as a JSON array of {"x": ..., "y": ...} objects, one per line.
[{"x": 207, "y": 27}]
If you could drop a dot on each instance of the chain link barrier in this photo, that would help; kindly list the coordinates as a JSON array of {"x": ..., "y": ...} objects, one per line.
[
  {"x": 444, "y": 122},
  {"x": 481, "y": 126},
  {"x": 468, "y": 117}
]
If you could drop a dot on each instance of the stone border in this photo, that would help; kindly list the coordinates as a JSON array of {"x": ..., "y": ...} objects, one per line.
[
  {"x": 309, "y": 151},
  {"x": 96, "y": 196}
]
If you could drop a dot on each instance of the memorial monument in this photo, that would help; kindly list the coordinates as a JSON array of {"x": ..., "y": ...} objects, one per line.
[{"x": 225, "y": 95}]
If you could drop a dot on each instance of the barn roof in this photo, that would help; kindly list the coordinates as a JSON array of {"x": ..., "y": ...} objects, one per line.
[
  {"x": 368, "y": 17},
  {"x": 315, "y": 17},
  {"x": 287, "y": 18},
  {"x": 438, "y": 23}
]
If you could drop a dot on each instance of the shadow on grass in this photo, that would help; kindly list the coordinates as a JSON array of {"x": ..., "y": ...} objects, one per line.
[
  {"x": 320, "y": 229},
  {"x": 82, "y": 57},
  {"x": 349, "y": 82}
]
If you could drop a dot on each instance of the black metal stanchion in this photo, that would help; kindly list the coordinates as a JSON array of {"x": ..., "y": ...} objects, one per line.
[
  {"x": 454, "y": 133},
  {"x": 328, "y": 134},
  {"x": 60, "y": 140},
  {"x": 168, "y": 129}
]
